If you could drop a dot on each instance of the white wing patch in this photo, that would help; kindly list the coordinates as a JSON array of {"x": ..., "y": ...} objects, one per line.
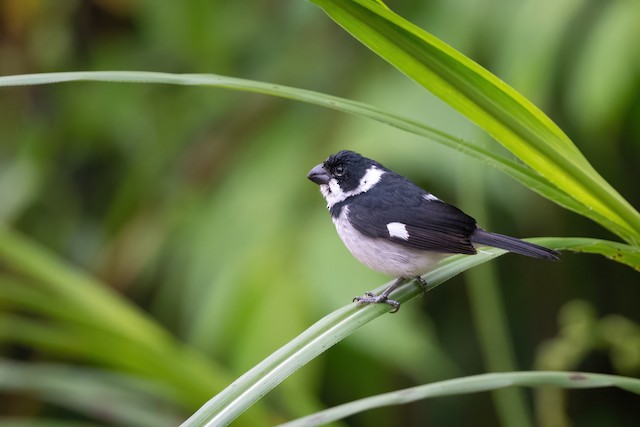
[
  {"x": 431, "y": 197},
  {"x": 398, "y": 229}
]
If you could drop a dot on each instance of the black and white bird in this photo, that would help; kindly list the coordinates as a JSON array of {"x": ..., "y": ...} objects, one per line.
[{"x": 395, "y": 227}]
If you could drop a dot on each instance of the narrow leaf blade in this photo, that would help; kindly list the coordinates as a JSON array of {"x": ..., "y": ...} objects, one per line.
[
  {"x": 494, "y": 106},
  {"x": 466, "y": 385}
]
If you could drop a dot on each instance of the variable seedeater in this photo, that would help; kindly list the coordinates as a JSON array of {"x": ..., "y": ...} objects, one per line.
[{"x": 395, "y": 227}]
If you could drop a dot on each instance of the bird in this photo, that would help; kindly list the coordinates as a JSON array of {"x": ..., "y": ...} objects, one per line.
[{"x": 395, "y": 227}]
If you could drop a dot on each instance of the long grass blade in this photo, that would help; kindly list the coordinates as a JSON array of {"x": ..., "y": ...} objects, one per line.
[
  {"x": 525, "y": 175},
  {"x": 466, "y": 385},
  {"x": 96, "y": 322},
  {"x": 86, "y": 293},
  {"x": 223, "y": 408},
  {"x": 127, "y": 400},
  {"x": 618, "y": 252}
]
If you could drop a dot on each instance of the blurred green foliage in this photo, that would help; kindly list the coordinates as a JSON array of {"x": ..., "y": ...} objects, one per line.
[{"x": 192, "y": 204}]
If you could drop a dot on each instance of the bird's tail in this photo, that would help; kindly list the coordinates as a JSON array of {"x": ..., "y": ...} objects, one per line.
[{"x": 513, "y": 244}]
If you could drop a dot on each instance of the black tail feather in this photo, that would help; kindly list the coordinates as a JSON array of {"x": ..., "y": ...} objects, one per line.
[{"x": 513, "y": 244}]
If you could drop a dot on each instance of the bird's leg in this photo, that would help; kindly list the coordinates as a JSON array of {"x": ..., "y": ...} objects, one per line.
[{"x": 383, "y": 298}]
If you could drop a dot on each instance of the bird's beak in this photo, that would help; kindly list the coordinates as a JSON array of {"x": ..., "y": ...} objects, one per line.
[{"x": 318, "y": 175}]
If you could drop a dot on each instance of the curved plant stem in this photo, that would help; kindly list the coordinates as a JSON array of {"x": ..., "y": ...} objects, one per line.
[
  {"x": 472, "y": 384},
  {"x": 227, "y": 405}
]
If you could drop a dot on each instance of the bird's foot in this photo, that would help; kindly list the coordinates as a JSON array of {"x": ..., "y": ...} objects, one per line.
[{"x": 371, "y": 298}]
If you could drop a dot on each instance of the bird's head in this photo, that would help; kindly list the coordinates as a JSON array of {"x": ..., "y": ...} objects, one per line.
[{"x": 345, "y": 174}]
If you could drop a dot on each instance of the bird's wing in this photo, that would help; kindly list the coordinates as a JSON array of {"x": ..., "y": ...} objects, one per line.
[{"x": 430, "y": 225}]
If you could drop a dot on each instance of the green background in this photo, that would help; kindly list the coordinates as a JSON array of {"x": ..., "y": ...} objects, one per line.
[{"x": 193, "y": 203}]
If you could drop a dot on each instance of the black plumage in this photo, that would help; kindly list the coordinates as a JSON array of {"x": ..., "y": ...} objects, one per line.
[{"x": 432, "y": 225}]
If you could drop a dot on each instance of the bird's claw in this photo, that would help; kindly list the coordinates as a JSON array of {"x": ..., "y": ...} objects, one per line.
[
  {"x": 423, "y": 283},
  {"x": 371, "y": 298}
]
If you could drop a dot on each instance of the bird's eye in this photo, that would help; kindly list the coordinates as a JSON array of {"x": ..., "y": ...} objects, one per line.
[{"x": 339, "y": 170}]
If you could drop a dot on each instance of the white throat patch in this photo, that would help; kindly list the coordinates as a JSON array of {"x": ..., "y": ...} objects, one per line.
[{"x": 333, "y": 194}]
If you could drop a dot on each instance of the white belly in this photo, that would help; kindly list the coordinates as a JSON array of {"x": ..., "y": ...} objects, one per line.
[{"x": 382, "y": 255}]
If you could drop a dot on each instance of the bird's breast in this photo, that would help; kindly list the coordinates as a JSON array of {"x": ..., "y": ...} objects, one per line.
[{"x": 383, "y": 255}]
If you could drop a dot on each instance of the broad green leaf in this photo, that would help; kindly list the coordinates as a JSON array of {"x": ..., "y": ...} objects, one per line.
[
  {"x": 494, "y": 106},
  {"x": 127, "y": 400},
  {"x": 472, "y": 384},
  {"x": 99, "y": 347},
  {"x": 87, "y": 294},
  {"x": 521, "y": 173},
  {"x": 100, "y": 318},
  {"x": 223, "y": 408},
  {"x": 44, "y": 422}
]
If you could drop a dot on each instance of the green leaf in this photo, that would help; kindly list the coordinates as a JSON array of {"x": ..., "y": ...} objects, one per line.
[
  {"x": 254, "y": 384},
  {"x": 94, "y": 299},
  {"x": 250, "y": 387},
  {"x": 96, "y": 321},
  {"x": 494, "y": 106},
  {"x": 43, "y": 422},
  {"x": 127, "y": 400},
  {"x": 618, "y": 252},
  {"x": 472, "y": 384},
  {"x": 521, "y": 173}
]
